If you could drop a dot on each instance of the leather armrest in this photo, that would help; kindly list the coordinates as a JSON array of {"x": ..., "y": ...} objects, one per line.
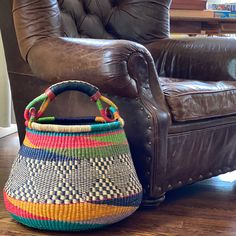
[
  {"x": 211, "y": 59},
  {"x": 104, "y": 63}
]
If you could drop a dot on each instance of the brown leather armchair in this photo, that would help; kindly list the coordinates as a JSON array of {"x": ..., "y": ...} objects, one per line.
[{"x": 178, "y": 97}]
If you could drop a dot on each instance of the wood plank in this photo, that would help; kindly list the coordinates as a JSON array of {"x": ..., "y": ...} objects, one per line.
[
  {"x": 199, "y": 22},
  {"x": 194, "y": 15},
  {"x": 191, "y": 15}
]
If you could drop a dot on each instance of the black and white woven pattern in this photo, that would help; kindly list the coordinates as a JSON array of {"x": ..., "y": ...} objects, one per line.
[{"x": 73, "y": 181}]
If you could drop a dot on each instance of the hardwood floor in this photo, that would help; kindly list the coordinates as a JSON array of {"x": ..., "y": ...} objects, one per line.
[{"x": 205, "y": 208}]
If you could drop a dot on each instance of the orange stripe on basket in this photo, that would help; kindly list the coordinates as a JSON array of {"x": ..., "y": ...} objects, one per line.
[
  {"x": 28, "y": 143},
  {"x": 70, "y": 212}
]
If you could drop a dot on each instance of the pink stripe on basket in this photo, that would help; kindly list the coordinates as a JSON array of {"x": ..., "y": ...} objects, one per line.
[
  {"x": 46, "y": 141},
  {"x": 19, "y": 212}
]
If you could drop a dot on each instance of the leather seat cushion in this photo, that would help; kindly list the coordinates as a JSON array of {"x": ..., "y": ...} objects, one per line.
[{"x": 196, "y": 100}]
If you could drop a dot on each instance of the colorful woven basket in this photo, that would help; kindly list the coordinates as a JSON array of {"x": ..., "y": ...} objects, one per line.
[{"x": 72, "y": 174}]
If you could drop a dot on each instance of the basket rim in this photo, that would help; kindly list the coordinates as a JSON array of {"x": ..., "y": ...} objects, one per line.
[{"x": 77, "y": 128}]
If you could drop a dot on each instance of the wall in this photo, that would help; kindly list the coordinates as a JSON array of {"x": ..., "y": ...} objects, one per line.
[{"x": 5, "y": 99}]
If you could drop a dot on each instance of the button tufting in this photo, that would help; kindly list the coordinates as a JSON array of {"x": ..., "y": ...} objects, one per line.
[
  {"x": 114, "y": 3},
  {"x": 105, "y": 19},
  {"x": 86, "y": 9}
]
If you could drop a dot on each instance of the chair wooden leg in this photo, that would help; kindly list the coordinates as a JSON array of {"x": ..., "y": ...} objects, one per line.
[{"x": 155, "y": 202}]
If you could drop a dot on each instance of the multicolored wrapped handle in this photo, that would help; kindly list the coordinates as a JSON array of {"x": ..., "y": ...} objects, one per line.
[{"x": 110, "y": 114}]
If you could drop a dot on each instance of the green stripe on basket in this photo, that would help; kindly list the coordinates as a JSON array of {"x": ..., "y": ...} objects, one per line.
[
  {"x": 115, "y": 138},
  {"x": 105, "y": 126},
  {"x": 46, "y": 119},
  {"x": 91, "y": 152},
  {"x": 56, "y": 225}
]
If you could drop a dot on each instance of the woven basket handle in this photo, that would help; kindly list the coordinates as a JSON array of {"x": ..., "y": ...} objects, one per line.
[{"x": 32, "y": 115}]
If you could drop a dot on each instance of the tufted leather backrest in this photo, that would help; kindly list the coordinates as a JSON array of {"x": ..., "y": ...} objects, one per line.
[{"x": 136, "y": 20}]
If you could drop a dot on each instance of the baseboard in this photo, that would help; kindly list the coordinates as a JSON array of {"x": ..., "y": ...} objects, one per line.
[{"x": 7, "y": 131}]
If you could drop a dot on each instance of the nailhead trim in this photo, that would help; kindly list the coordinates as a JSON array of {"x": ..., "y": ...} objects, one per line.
[
  {"x": 169, "y": 186},
  {"x": 228, "y": 169}
]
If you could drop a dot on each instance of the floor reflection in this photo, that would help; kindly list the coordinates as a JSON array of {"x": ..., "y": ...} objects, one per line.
[{"x": 228, "y": 177}]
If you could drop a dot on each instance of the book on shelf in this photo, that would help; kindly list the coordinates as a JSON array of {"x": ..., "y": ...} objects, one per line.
[
  {"x": 222, "y": 7},
  {"x": 225, "y": 14},
  {"x": 227, "y": 10}
]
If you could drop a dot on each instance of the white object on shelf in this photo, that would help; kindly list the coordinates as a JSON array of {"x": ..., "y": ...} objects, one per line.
[{"x": 220, "y": 1}]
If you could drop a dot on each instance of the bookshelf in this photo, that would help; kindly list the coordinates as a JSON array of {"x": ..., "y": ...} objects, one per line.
[{"x": 200, "y": 22}]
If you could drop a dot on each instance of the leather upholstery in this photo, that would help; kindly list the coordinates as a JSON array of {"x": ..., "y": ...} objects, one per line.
[
  {"x": 196, "y": 100},
  {"x": 208, "y": 59},
  {"x": 109, "y": 19},
  {"x": 53, "y": 40},
  {"x": 199, "y": 154},
  {"x": 100, "y": 19}
]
